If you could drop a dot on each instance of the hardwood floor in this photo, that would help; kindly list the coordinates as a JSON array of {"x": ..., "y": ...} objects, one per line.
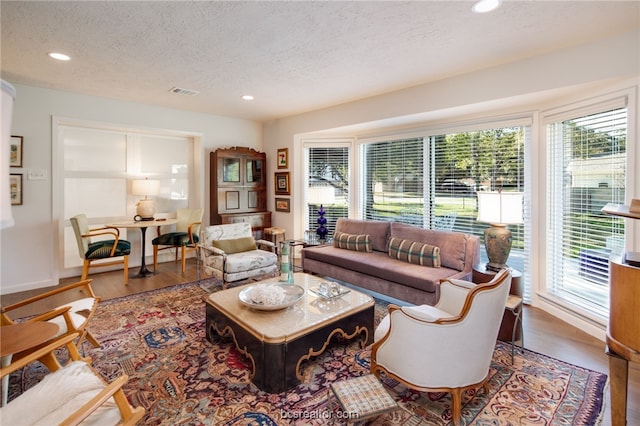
[{"x": 543, "y": 333}]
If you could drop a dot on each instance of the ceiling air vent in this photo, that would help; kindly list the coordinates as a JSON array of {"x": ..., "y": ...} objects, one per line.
[{"x": 181, "y": 91}]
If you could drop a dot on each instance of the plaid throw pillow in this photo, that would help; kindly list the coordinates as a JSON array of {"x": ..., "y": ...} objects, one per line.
[
  {"x": 352, "y": 242},
  {"x": 414, "y": 252}
]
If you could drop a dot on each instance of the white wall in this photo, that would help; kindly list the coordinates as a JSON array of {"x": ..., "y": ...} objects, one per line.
[{"x": 27, "y": 249}]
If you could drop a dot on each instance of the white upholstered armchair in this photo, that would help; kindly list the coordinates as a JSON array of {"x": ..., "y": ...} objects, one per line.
[
  {"x": 231, "y": 253},
  {"x": 447, "y": 347}
]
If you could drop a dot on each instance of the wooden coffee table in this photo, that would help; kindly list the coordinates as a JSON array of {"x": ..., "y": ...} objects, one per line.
[{"x": 278, "y": 342}]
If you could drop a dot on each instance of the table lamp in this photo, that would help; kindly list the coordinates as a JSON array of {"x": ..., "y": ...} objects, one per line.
[
  {"x": 320, "y": 195},
  {"x": 499, "y": 209},
  {"x": 146, "y": 208}
]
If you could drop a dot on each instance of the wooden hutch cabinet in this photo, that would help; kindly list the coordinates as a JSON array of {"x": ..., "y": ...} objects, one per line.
[{"x": 239, "y": 188}]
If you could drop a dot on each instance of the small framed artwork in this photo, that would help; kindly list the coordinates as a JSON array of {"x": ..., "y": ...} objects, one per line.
[
  {"x": 15, "y": 188},
  {"x": 283, "y": 158},
  {"x": 282, "y": 205},
  {"x": 282, "y": 183},
  {"x": 15, "y": 153}
]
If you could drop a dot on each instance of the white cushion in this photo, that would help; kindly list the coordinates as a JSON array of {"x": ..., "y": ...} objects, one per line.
[
  {"x": 423, "y": 312},
  {"x": 58, "y": 396},
  {"x": 462, "y": 283},
  {"x": 426, "y": 313},
  {"x": 86, "y": 304}
]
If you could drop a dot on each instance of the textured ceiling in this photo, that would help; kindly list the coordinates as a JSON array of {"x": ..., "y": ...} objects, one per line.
[{"x": 292, "y": 56}]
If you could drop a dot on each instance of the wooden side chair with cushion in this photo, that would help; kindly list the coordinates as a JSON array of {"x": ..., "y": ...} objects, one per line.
[
  {"x": 91, "y": 250},
  {"x": 447, "y": 347},
  {"x": 185, "y": 236},
  {"x": 231, "y": 253},
  {"x": 71, "y": 318},
  {"x": 69, "y": 395}
]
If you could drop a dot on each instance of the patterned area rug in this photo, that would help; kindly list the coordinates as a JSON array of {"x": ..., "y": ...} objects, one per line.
[{"x": 158, "y": 339}]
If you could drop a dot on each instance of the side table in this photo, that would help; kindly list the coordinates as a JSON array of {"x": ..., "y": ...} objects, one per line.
[
  {"x": 19, "y": 337},
  {"x": 511, "y": 327},
  {"x": 275, "y": 235}
]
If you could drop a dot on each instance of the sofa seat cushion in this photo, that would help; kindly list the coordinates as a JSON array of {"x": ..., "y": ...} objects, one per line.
[
  {"x": 380, "y": 265},
  {"x": 244, "y": 261},
  {"x": 57, "y": 396}
]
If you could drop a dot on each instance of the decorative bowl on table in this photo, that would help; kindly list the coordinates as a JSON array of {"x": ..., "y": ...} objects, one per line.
[
  {"x": 329, "y": 290},
  {"x": 271, "y": 297}
]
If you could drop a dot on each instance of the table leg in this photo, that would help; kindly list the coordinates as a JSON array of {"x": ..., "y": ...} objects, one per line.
[
  {"x": 619, "y": 373},
  {"x": 144, "y": 272},
  {"x": 6, "y": 361}
]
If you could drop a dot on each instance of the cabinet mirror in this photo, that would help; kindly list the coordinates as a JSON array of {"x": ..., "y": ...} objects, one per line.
[
  {"x": 254, "y": 170},
  {"x": 231, "y": 170}
]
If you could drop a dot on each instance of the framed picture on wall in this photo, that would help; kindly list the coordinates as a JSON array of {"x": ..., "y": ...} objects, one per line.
[
  {"x": 282, "y": 183},
  {"x": 283, "y": 158},
  {"x": 15, "y": 188},
  {"x": 282, "y": 205},
  {"x": 15, "y": 153}
]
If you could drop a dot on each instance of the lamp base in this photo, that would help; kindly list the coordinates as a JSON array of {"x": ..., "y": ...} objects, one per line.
[
  {"x": 145, "y": 209},
  {"x": 497, "y": 241}
]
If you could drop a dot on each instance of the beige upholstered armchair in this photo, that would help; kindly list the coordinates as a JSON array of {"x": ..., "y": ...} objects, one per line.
[
  {"x": 447, "y": 347},
  {"x": 231, "y": 253},
  {"x": 69, "y": 394}
]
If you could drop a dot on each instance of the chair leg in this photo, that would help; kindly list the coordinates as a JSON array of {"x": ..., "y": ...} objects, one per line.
[
  {"x": 155, "y": 257},
  {"x": 126, "y": 270},
  {"x": 91, "y": 339},
  {"x": 184, "y": 258},
  {"x": 85, "y": 270},
  {"x": 456, "y": 406}
]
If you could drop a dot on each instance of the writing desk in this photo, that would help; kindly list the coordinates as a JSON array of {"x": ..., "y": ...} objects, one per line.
[{"x": 16, "y": 338}]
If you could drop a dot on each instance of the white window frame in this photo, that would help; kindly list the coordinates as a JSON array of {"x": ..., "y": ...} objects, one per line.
[{"x": 584, "y": 319}]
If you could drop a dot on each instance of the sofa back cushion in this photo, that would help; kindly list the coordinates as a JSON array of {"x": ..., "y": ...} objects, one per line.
[
  {"x": 453, "y": 245},
  {"x": 378, "y": 231}
]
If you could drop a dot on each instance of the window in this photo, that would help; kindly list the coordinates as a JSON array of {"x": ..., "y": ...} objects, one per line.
[
  {"x": 467, "y": 162},
  {"x": 393, "y": 180},
  {"x": 586, "y": 161},
  {"x": 432, "y": 181},
  {"x": 427, "y": 180},
  {"x": 327, "y": 185},
  {"x": 97, "y": 165}
]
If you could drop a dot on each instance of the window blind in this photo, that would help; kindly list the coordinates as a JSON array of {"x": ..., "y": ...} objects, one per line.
[
  {"x": 392, "y": 176},
  {"x": 328, "y": 167},
  {"x": 587, "y": 169}
]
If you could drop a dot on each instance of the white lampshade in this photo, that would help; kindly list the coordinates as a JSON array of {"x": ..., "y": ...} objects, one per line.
[
  {"x": 500, "y": 207},
  {"x": 321, "y": 195},
  {"x": 145, "y": 187},
  {"x": 8, "y": 96}
]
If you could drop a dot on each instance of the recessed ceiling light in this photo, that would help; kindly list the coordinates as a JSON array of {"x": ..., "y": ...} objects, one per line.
[
  {"x": 484, "y": 6},
  {"x": 247, "y": 97},
  {"x": 59, "y": 56}
]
